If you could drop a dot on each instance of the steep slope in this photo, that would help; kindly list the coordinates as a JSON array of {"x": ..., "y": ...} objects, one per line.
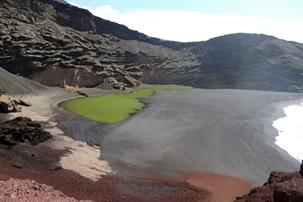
[
  {"x": 13, "y": 84},
  {"x": 56, "y": 43},
  {"x": 248, "y": 61}
]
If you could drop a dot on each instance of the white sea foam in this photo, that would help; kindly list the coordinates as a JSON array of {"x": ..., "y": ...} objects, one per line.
[{"x": 290, "y": 130}]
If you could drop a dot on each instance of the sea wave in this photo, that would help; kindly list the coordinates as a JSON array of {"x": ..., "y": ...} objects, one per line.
[{"x": 290, "y": 130}]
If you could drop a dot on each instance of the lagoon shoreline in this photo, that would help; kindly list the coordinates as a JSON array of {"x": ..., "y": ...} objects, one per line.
[
  {"x": 124, "y": 142},
  {"x": 137, "y": 148}
]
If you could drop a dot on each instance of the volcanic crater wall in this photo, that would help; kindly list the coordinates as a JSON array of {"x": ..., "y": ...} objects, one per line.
[{"x": 56, "y": 43}]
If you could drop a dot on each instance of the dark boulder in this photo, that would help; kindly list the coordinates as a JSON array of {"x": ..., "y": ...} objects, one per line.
[
  {"x": 8, "y": 104},
  {"x": 289, "y": 190},
  {"x": 22, "y": 130},
  {"x": 22, "y": 103},
  {"x": 81, "y": 93}
]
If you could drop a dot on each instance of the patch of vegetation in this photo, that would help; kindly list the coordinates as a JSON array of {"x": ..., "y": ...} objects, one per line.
[{"x": 113, "y": 108}]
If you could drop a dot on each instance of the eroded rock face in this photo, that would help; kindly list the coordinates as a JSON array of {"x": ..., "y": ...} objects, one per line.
[
  {"x": 22, "y": 130},
  {"x": 56, "y": 44},
  {"x": 281, "y": 187}
]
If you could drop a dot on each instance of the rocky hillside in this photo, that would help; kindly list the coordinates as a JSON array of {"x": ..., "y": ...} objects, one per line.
[
  {"x": 248, "y": 61},
  {"x": 56, "y": 43},
  {"x": 22, "y": 130}
]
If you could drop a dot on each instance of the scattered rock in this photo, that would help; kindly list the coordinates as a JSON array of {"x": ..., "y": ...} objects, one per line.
[
  {"x": 34, "y": 155},
  {"x": 8, "y": 104},
  {"x": 22, "y": 103},
  {"x": 81, "y": 93},
  {"x": 55, "y": 166},
  {"x": 18, "y": 163},
  {"x": 22, "y": 130}
]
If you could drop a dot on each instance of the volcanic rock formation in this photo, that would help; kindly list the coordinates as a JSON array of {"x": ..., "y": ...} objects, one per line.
[
  {"x": 280, "y": 187},
  {"x": 56, "y": 43},
  {"x": 22, "y": 130}
]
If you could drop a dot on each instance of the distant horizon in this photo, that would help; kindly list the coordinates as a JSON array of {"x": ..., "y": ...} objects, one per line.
[{"x": 196, "y": 21}]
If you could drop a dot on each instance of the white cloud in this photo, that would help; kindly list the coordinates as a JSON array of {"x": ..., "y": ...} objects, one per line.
[{"x": 195, "y": 26}]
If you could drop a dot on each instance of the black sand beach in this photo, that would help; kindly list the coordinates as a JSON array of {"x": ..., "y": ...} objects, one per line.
[{"x": 220, "y": 131}]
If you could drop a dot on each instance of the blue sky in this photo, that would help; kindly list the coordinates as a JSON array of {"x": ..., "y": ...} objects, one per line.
[
  {"x": 165, "y": 18},
  {"x": 277, "y": 9}
]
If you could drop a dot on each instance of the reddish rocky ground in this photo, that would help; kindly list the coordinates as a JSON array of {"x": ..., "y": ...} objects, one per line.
[
  {"x": 15, "y": 190},
  {"x": 280, "y": 187},
  {"x": 222, "y": 188},
  {"x": 38, "y": 163},
  {"x": 23, "y": 159}
]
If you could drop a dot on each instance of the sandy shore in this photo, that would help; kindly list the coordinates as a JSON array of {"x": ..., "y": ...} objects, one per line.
[{"x": 80, "y": 157}]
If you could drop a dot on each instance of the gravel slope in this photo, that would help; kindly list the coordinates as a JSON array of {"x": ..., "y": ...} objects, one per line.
[{"x": 13, "y": 84}]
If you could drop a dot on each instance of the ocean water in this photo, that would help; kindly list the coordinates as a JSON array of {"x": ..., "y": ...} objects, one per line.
[{"x": 290, "y": 130}]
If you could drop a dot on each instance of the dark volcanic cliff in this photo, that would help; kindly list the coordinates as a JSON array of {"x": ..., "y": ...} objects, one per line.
[{"x": 56, "y": 43}]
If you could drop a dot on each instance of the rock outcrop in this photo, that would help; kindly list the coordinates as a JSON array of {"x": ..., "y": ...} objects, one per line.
[
  {"x": 9, "y": 104},
  {"x": 280, "y": 187},
  {"x": 22, "y": 130},
  {"x": 56, "y": 43}
]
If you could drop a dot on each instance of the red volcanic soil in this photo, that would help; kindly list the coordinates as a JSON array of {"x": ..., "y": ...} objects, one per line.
[
  {"x": 15, "y": 190},
  {"x": 35, "y": 163},
  {"x": 221, "y": 188}
]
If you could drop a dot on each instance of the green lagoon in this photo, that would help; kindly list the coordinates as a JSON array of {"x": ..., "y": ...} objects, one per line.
[{"x": 115, "y": 107}]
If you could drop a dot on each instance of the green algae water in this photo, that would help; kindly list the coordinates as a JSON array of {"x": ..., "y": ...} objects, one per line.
[{"x": 116, "y": 107}]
